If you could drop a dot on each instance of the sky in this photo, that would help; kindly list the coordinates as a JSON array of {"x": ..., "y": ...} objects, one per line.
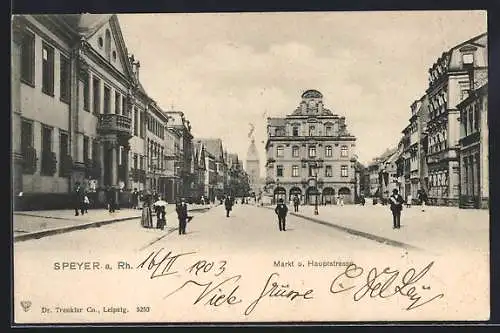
[{"x": 226, "y": 71}]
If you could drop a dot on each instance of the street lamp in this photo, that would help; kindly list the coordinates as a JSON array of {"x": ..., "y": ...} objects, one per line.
[{"x": 316, "y": 165}]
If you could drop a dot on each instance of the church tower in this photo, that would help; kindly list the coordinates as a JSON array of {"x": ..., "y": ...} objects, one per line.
[{"x": 253, "y": 167}]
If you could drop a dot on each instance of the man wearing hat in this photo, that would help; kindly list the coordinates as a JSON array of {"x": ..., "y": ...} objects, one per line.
[
  {"x": 182, "y": 215},
  {"x": 281, "y": 210},
  {"x": 396, "y": 202}
]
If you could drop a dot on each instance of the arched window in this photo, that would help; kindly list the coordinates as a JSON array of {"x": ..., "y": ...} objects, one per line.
[{"x": 107, "y": 44}]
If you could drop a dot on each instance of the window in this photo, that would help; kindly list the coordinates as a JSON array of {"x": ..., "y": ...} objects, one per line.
[
  {"x": 86, "y": 93},
  {"x": 117, "y": 103},
  {"x": 295, "y": 151},
  {"x": 312, "y": 151},
  {"x": 95, "y": 151},
  {"x": 136, "y": 122},
  {"x": 343, "y": 151},
  {"x": 28, "y": 58},
  {"x": 107, "y": 44},
  {"x": 343, "y": 171},
  {"x": 85, "y": 148},
  {"x": 468, "y": 59},
  {"x": 125, "y": 111},
  {"x": 279, "y": 171},
  {"x": 26, "y": 135},
  {"x": 312, "y": 171},
  {"x": 476, "y": 117},
  {"x": 96, "y": 86},
  {"x": 135, "y": 161},
  {"x": 328, "y": 131},
  {"x": 328, "y": 151},
  {"x": 295, "y": 131},
  {"x": 142, "y": 125},
  {"x": 295, "y": 171},
  {"x": 48, "y": 69},
  {"x": 311, "y": 130},
  {"x": 107, "y": 100},
  {"x": 63, "y": 151},
  {"x": 471, "y": 120},
  {"x": 279, "y": 151},
  {"x": 46, "y": 148},
  {"x": 328, "y": 171},
  {"x": 64, "y": 78}
]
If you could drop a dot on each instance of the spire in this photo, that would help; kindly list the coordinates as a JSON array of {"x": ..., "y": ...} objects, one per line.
[{"x": 252, "y": 154}]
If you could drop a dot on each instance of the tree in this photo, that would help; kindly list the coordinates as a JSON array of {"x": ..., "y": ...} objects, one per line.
[{"x": 239, "y": 182}]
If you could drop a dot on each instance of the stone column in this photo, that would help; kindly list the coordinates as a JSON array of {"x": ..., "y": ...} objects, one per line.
[
  {"x": 114, "y": 165},
  {"x": 126, "y": 154},
  {"x": 102, "y": 150},
  {"x": 16, "y": 154}
]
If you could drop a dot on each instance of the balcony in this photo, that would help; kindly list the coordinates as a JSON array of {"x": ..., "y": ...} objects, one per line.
[{"x": 115, "y": 124}]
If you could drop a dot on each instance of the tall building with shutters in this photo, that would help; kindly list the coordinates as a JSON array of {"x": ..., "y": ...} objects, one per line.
[{"x": 311, "y": 154}]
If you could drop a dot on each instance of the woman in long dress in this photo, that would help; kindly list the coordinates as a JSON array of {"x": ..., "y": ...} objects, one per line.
[{"x": 146, "y": 218}]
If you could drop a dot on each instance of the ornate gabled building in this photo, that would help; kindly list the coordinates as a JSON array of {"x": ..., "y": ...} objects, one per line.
[
  {"x": 310, "y": 153},
  {"x": 74, "y": 93},
  {"x": 449, "y": 84},
  {"x": 216, "y": 167}
]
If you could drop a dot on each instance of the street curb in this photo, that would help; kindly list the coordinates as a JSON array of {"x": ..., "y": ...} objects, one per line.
[
  {"x": 380, "y": 239},
  {"x": 61, "y": 230}
]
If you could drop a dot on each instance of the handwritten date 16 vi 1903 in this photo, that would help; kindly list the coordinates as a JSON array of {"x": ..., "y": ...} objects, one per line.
[{"x": 382, "y": 284}]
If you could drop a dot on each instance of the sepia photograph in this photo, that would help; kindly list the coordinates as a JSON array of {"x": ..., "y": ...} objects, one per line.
[{"x": 250, "y": 167}]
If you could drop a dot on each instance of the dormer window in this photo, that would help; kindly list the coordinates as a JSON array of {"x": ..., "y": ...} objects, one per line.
[{"x": 468, "y": 59}]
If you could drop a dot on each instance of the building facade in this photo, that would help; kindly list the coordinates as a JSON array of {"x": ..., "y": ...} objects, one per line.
[
  {"x": 474, "y": 173},
  {"x": 448, "y": 85},
  {"x": 310, "y": 153},
  {"x": 180, "y": 125},
  {"x": 73, "y": 92}
]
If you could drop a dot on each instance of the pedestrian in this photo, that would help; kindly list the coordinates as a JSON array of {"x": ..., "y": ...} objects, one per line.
[
  {"x": 161, "y": 221},
  {"x": 422, "y": 198},
  {"x": 396, "y": 202},
  {"x": 135, "y": 199},
  {"x": 146, "y": 218},
  {"x": 362, "y": 200},
  {"x": 296, "y": 202},
  {"x": 337, "y": 199},
  {"x": 281, "y": 210},
  {"x": 86, "y": 203},
  {"x": 78, "y": 199},
  {"x": 228, "y": 203},
  {"x": 181, "y": 209},
  {"x": 341, "y": 199},
  {"x": 111, "y": 199},
  {"x": 408, "y": 200}
]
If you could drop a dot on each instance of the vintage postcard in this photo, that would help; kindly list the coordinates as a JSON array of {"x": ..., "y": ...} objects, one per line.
[{"x": 250, "y": 167}]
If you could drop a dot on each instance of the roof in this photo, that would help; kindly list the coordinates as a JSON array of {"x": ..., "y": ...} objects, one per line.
[
  {"x": 213, "y": 146},
  {"x": 311, "y": 93},
  {"x": 276, "y": 121},
  {"x": 85, "y": 24},
  {"x": 252, "y": 153}
]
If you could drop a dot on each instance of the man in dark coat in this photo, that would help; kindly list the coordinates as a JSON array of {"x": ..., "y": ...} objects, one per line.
[
  {"x": 396, "y": 202},
  {"x": 296, "y": 202},
  {"x": 182, "y": 215},
  {"x": 78, "y": 199},
  {"x": 228, "y": 203},
  {"x": 111, "y": 199},
  {"x": 135, "y": 199},
  {"x": 281, "y": 210}
]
